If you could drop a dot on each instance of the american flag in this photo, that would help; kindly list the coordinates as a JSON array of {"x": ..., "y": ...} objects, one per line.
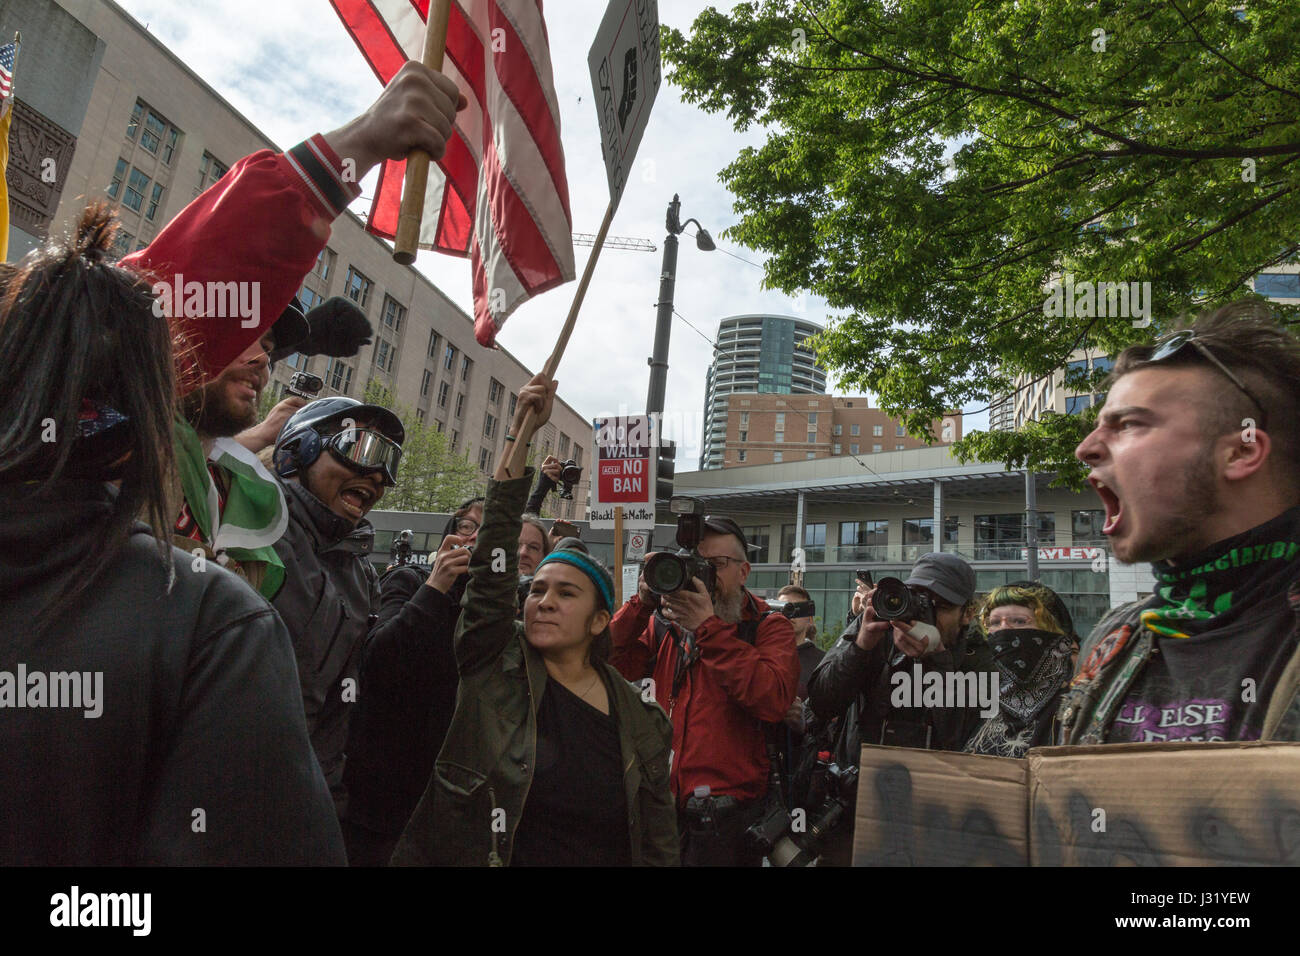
[
  {"x": 7, "y": 54},
  {"x": 500, "y": 195}
]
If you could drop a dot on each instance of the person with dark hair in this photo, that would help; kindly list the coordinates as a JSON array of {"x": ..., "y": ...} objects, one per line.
[
  {"x": 147, "y": 701},
  {"x": 1031, "y": 636},
  {"x": 1196, "y": 459},
  {"x": 408, "y": 677},
  {"x": 722, "y": 665},
  {"x": 552, "y": 758}
]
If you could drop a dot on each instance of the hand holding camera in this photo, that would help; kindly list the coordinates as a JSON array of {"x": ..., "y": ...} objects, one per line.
[
  {"x": 871, "y": 629},
  {"x": 451, "y": 561},
  {"x": 689, "y": 606}
]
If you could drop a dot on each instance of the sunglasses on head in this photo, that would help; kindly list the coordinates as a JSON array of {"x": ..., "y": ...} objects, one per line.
[
  {"x": 365, "y": 451},
  {"x": 1170, "y": 345}
]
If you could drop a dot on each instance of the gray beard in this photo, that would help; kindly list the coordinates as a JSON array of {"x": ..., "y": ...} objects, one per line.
[{"x": 729, "y": 606}]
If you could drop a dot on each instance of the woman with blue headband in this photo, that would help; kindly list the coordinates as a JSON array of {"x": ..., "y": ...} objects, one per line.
[{"x": 552, "y": 759}]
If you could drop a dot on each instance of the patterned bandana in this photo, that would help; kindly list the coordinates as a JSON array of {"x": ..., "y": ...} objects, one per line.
[{"x": 1223, "y": 577}]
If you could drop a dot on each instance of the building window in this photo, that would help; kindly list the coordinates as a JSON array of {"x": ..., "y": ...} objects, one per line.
[
  {"x": 419, "y": 415},
  {"x": 465, "y": 365},
  {"x": 1075, "y": 404},
  {"x": 340, "y": 376},
  {"x": 853, "y": 449},
  {"x": 863, "y": 541},
  {"x": 433, "y": 345},
  {"x": 460, "y": 404},
  {"x": 900, "y": 448},
  {"x": 1085, "y": 526},
  {"x": 444, "y": 390},
  {"x": 169, "y": 148},
  {"x": 744, "y": 436},
  {"x": 812, "y": 438},
  {"x": 838, "y": 430},
  {"x": 780, "y": 436},
  {"x": 137, "y": 113},
  {"x": 777, "y": 456},
  {"x": 495, "y": 390},
  {"x": 324, "y": 264},
  {"x": 564, "y": 445},
  {"x": 877, "y": 431},
  {"x": 484, "y": 459},
  {"x": 814, "y": 543},
  {"x": 810, "y": 455},
  {"x": 439, "y": 425},
  {"x": 780, "y": 421},
  {"x": 740, "y": 455},
  {"x": 155, "y": 127},
  {"x": 122, "y": 244},
  {"x": 455, "y": 440},
  {"x": 357, "y": 287},
  {"x": 1002, "y": 537},
  {"x": 309, "y": 298},
  {"x": 424, "y": 383},
  {"x": 449, "y": 361},
  {"x": 875, "y": 449},
  {"x": 577, "y": 454},
  {"x": 489, "y": 426},
  {"x": 136, "y": 185},
  {"x": 812, "y": 418},
  {"x": 855, "y": 430},
  {"x": 899, "y": 431},
  {"x": 384, "y": 355},
  {"x": 393, "y": 313},
  {"x": 210, "y": 170},
  {"x": 744, "y": 419},
  {"x": 119, "y": 174},
  {"x": 836, "y": 449},
  {"x": 757, "y": 536}
]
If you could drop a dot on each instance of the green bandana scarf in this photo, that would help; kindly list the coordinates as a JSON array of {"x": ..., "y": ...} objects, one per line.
[
  {"x": 1224, "y": 577},
  {"x": 255, "y": 514}
]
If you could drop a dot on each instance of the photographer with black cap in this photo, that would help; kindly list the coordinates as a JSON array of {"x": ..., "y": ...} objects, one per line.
[
  {"x": 721, "y": 664},
  {"x": 879, "y": 654}
]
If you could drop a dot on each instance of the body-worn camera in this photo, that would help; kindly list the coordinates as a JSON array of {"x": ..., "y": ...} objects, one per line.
[
  {"x": 834, "y": 794},
  {"x": 704, "y": 812},
  {"x": 666, "y": 572},
  {"x": 892, "y": 600},
  {"x": 305, "y": 385},
  {"x": 570, "y": 475}
]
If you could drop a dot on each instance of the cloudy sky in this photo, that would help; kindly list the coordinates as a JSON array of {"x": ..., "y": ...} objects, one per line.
[{"x": 289, "y": 66}]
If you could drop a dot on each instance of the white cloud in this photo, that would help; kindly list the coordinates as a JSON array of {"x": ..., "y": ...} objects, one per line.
[{"x": 290, "y": 67}]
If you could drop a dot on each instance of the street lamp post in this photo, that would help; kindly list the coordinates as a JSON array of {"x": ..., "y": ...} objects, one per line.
[{"x": 658, "y": 361}]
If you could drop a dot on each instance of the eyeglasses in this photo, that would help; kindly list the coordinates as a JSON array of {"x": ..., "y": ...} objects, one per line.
[
  {"x": 1170, "y": 345},
  {"x": 365, "y": 451},
  {"x": 466, "y": 526},
  {"x": 725, "y": 559}
]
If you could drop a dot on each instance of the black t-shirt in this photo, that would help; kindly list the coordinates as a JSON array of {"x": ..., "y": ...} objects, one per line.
[
  {"x": 576, "y": 810},
  {"x": 1211, "y": 686}
]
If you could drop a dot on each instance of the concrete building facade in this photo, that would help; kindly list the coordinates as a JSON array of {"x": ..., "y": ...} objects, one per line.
[{"x": 151, "y": 135}]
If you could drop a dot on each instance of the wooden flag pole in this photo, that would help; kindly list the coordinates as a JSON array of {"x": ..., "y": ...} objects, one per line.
[
  {"x": 618, "y": 556},
  {"x": 519, "y": 450},
  {"x": 411, "y": 215}
]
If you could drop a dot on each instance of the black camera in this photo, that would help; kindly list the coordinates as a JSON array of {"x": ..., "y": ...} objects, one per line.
[
  {"x": 892, "y": 600},
  {"x": 864, "y": 577},
  {"x": 665, "y": 572},
  {"x": 787, "y": 839},
  {"x": 704, "y": 812},
  {"x": 305, "y": 385},
  {"x": 402, "y": 555},
  {"x": 570, "y": 475},
  {"x": 793, "y": 609}
]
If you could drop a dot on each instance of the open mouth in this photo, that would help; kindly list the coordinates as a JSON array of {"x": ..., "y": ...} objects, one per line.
[
  {"x": 357, "y": 498},
  {"x": 1110, "y": 500}
]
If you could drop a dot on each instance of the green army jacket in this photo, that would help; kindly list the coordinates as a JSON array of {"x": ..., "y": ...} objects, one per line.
[{"x": 475, "y": 798}]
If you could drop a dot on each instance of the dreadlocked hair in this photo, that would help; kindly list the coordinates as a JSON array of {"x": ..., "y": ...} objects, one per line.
[{"x": 75, "y": 328}]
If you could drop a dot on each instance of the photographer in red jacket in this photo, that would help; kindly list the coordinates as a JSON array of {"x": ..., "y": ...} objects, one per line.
[{"x": 721, "y": 665}]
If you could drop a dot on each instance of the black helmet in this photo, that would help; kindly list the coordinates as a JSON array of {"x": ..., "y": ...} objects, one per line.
[{"x": 320, "y": 424}]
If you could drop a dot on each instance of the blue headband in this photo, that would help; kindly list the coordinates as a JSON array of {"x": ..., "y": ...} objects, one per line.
[{"x": 599, "y": 576}]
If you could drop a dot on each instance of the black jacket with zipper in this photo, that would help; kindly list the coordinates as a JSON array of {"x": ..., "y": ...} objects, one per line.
[
  {"x": 199, "y": 755},
  {"x": 330, "y": 590}
]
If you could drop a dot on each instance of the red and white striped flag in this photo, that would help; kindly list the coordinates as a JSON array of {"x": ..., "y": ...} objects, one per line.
[{"x": 499, "y": 196}]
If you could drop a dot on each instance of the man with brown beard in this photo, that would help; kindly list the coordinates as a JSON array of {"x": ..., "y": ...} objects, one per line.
[
  {"x": 720, "y": 664},
  {"x": 1196, "y": 457}
]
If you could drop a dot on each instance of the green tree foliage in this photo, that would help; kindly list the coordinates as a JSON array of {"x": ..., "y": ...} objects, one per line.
[
  {"x": 431, "y": 477},
  {"x": 931, "y": 165}
]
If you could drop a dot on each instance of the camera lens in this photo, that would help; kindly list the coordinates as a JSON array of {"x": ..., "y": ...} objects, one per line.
[
  {"x": 571, "y": 475},
  {"x": 665, "y": 573},
  {"x": 891, "y": 600}
]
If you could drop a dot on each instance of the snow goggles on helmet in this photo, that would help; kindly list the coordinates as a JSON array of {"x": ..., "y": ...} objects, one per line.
[
  {"x": 1170, "y": 345},
  {"x": 364, "y": 450}
]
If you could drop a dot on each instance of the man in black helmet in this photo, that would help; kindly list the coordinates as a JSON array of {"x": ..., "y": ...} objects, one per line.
[{"x": 335, "y": 457}]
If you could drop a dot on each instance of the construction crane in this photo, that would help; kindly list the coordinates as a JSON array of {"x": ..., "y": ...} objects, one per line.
[{"x": 615, "y": 242}]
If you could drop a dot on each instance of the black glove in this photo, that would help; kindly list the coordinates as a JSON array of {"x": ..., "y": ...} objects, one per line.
[{"x": 338, "y": 329}]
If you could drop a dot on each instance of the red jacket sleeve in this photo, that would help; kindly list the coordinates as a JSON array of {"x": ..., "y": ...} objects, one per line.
[
  {"x": 261, "y": 226},
  {"x": 631, "y": 633},
  {"x": 761, "y": 679}
]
